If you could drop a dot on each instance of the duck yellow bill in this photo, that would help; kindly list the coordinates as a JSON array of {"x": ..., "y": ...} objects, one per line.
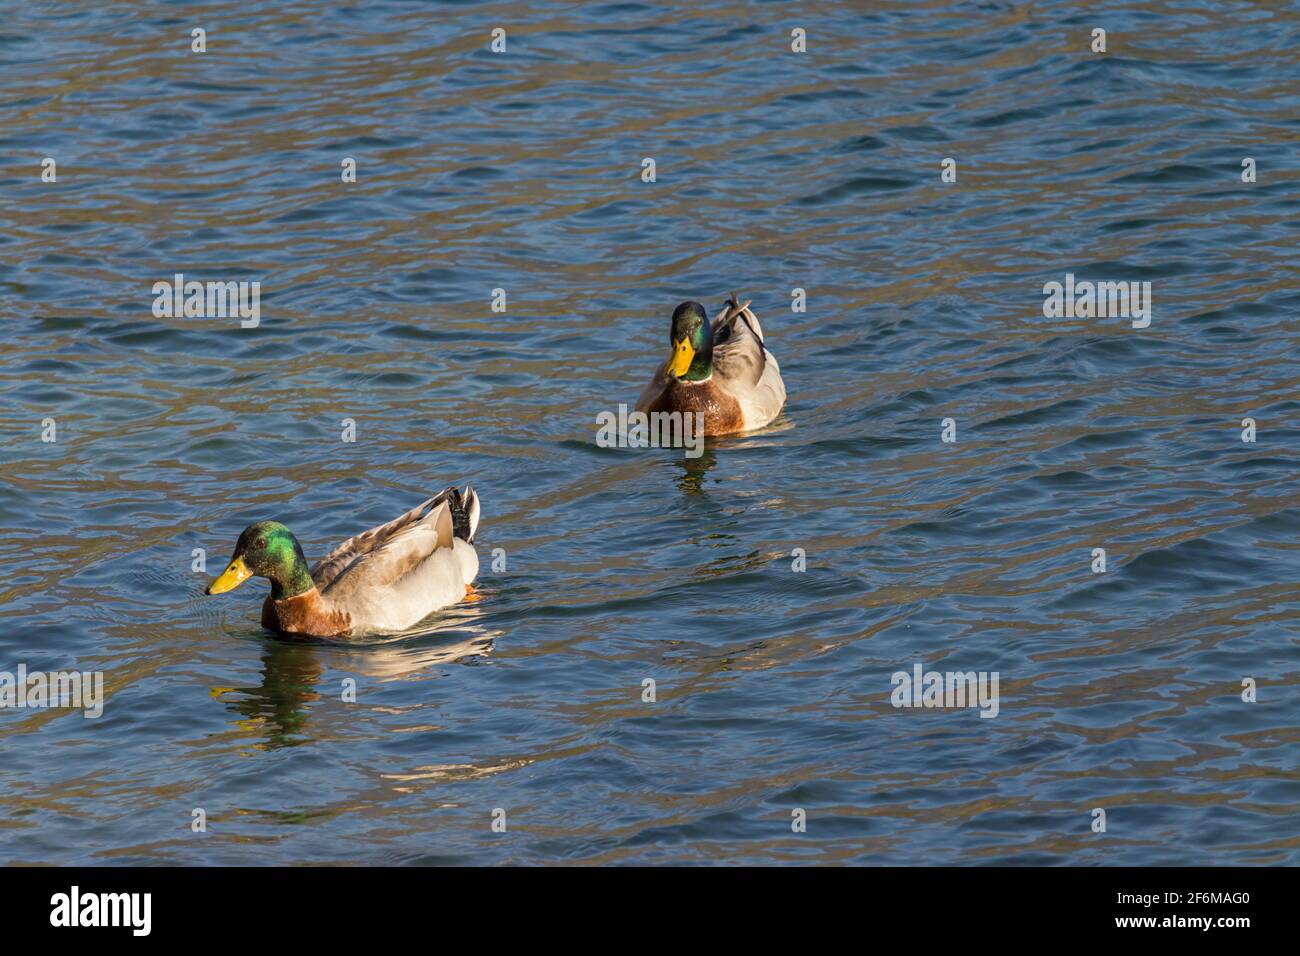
[
  {"x": 231, "y": 578},
  {"x": 683, "y": 356}
]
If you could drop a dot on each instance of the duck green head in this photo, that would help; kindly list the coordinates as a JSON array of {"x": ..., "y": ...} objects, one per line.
[
  {"x": 691, "y": 339},
  {"x": 266, "y": 550}
]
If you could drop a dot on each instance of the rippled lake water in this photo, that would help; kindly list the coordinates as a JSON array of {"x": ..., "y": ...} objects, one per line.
[{"x": 775, "y": 170}]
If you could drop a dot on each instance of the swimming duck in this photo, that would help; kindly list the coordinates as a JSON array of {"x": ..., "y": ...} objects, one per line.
[
  {"x": 380, "y": 582},
  {"x": 724, "y": 370}
]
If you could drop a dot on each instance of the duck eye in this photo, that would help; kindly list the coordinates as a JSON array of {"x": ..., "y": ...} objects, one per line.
[{"x": 259, "y": 544}]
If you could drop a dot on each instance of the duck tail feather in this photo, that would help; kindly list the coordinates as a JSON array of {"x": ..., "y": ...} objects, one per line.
[
  {"x": 736, "y": 307},
  {"x": 471, "y": 510}
]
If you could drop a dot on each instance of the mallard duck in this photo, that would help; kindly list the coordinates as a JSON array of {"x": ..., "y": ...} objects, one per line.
[
  {"x": 724, "y": 370},
  {"x": 380, "y": 582}
]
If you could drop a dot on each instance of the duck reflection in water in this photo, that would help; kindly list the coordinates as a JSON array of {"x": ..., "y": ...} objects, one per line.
[{"x": 279, "y": 710}]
